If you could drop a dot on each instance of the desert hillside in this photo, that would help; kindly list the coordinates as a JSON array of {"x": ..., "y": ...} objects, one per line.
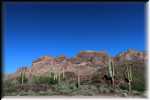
[{"x": 88, "y": 73}]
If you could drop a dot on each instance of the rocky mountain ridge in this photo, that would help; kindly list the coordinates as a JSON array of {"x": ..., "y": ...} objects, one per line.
[{"x": 85, "y": 64}]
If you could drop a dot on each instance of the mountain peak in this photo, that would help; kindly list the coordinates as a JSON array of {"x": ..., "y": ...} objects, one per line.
[{"x": 43, "y": 58}]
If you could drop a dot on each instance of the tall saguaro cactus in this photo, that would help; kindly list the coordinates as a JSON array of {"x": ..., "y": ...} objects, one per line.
[
  {"x": 78, "y": 80},
  {"x": 55, "y": 76},
  {"x": 22, "y": 77},
  {"x": 63, "y": 72},
  {"x": 130, "y": 77},
  {"x": 111, "y": 70},
  {"x": 58, "y": 77}
]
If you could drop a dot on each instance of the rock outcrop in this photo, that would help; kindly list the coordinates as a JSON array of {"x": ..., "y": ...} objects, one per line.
[
  {"x": 85, "y": 64},
  {"x": 131, "y": 55}
]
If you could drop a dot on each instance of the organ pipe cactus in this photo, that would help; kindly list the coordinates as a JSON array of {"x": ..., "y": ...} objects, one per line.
[{"x": 111, "y": 70}]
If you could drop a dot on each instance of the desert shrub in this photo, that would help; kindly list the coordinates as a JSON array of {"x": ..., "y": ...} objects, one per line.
[
  {"x": 136, "y": 92},
  {"x": 96, "y": 78},
  {"x": 44, "y": 80},
  {"x": 9, "y": 88},
  {"x": 138, "y": 76},
  {"x": 104, "y": 89},
  {"x": 124, "y": 86},
  {"x": 139, "y": 86},
  {"x": 35, "y": 93},
  {"x": 139, "y": 80},
  {"x": 86, "y": 90},
  {"x": 23, "y": 93},
  {"x": 65, "y": 88},
  {"x": 69, "y": 76}
]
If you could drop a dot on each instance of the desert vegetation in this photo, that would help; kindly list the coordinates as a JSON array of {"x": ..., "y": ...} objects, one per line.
[{"x": 123, "y": 78}]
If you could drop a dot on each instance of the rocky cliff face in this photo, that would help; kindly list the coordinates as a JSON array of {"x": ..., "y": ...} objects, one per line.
[
  {"x": 131, "y": 55},
  {"x": 84, "y": 64}
]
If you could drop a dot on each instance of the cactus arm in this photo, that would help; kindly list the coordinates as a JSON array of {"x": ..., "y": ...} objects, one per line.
[
  {"x": 113, "y": 74},
  {"x": 21, "y": 78},
  {"x": 50, "y": 74},
  {"x": 110, "y": 68},
  {"x": 59, "y": 77},
  {"x": 63, "y": 73},
  {"x": 78, "y": 80},
  {"x": 131, "y": 73},
  {"x": 54, "y": 76}
]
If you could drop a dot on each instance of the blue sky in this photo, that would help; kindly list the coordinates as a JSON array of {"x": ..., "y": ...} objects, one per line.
[{"x": 32, "y": 30}]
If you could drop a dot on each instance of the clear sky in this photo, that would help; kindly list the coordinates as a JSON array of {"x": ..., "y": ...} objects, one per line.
[{"x": 32, "y": 30}]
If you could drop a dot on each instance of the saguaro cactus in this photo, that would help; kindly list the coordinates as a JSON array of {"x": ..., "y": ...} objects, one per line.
[
  {"x": 111, "y": 70},
  {"x": 22, "y": 76},
  {"x": 78, "y": 80},
  {"x": 129, "y": 76},
  {"x": 63, "y": 72},
  {"x": 50, "y": 73},
  {"x": 55, "y": 76},
  {"x": 58, "y": 77}
]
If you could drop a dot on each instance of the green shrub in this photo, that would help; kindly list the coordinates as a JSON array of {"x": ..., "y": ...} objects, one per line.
[
  {"x": 104, "y": 89},
  {"x": 138, "y": 76},
  {"x": 9, "y": 88},
  {"x": 139, "y": 86},
  {"x": 86, "y": 90},
  {"x": 139, "y": 80},
  {"x": 66, "y": 88},
  {"x": 44, "y": 80},
  {"x": 124, "y": 86}
]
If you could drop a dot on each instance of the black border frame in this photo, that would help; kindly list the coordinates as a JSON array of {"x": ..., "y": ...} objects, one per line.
[{"x": 55, "y": 1}]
